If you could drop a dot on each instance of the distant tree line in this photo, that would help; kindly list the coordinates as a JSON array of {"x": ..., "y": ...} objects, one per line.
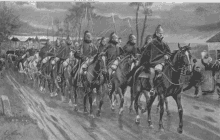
[{"x": 9, "y": 21}]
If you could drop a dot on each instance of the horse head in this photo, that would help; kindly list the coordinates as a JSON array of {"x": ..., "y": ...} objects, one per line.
[
  {"x": 100, "y": 58},
  {"x": 126, "y": 63},
  {"x": 182, "y": 58}
]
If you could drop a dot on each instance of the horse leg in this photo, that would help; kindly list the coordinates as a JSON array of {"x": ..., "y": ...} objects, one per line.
[
  {"x": 121, "y": 94},
  {"x": 177, "y": 98},
  {"x": 137, "y": 120},
  {"x": 75, "y": 98},
  {"x": 90, "y": 103},
  {"x": 132, "y": 101},
  {"x": 158, "y": 105},
  {"x": 146, "y": 100},
  {"x": 149, "y": 105},
  {"x": 112, "y": 97},
  {"x": 101, "y": 95},
  {"x": 62, "y": 92},
  {"x": 167, "y": 108},
  {"x": 162, "y": 98},
  {"x": 44, "y": 85},
  {"x": 85, "y": 101}
]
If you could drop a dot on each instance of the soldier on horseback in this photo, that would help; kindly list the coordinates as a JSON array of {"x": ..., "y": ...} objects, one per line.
[
  {"x": 87, "y": 50},
  {"x": 102, "y": 44},
  {"x": 154, "y": 56},
  {"x": 130, "y": 48},
  {"x": 113, "y": 52}
]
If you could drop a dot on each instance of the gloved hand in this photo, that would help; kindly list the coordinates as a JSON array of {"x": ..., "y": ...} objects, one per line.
[
  {"x": 118, "y": 57},
  {"x": 166, "y": 57}
]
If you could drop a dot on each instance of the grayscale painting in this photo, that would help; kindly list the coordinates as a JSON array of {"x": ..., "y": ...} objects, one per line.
[{"x": 109, "y": 71}]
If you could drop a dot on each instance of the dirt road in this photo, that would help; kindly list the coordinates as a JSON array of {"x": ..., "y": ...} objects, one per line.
[{"x": 58, "y": 121}]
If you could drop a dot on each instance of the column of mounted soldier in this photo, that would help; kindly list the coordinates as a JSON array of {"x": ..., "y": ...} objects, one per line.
[{"x": 152, "y": 70}]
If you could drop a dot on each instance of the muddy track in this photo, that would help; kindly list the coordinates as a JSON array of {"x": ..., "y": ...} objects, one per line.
[{"x": 62, "y": 123}]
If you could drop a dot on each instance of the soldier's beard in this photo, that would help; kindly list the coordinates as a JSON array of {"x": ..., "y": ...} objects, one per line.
[
  {"x": 159, "y": 38},
  {"x": 114, "y": 42},
  {"x": 87, "y": 41},
  {"x": 131, "y": 42}
]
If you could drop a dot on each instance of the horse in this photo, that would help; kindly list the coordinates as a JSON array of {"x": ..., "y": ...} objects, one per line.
[
  {"x": 120, "y": 80},
  {"x": 28, "y": 59},
  {"x": 167, "y": 85},
  {"x": 11, "y": 57},
  {"x": 93, "y": 79},
  {"x": 47, "y": 75},
  {"x": 70, "y": 68}
]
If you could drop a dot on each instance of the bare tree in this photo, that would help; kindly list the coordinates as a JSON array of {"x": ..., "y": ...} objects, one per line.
[
  {"x": 9, "y": 22},
  {"x": 138, "y": 5},
  {"x": 147, "y": 12},
  {"x": 77, "y": 13}
]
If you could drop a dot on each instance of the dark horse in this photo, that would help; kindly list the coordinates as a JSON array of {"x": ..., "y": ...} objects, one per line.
[
  {"x": 93, "y": 79},
  {"x": 169, "y": 84},
  {"x": 46, "y": 74},
  {"x": 120, "y": 80}
]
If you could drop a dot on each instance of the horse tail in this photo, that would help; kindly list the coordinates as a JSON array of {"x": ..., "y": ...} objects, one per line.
[{"x": 135, "y": 77}]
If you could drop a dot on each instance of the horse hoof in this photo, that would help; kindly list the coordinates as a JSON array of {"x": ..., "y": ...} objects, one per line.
[
  {"x": 85, "y": 111},
  {"x": 75, "y": 108},
  {"x": 92, "y": 116},
  {"x": 62, "y": 99},
  {"x": 121, "y": 111},
  {"x": 151, "y": 126},
  {"x": 51, "y": 95},
  {"x": 55, "y": 94},
  {"x": 70, "y": 103},
  {"x": 179, "y": 130},
  {"x": 161, "y": 129},
  {"x": 112, "y": 108},
  {"x": 137, "y": 120}
]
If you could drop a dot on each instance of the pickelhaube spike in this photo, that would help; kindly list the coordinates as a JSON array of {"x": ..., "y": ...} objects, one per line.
[
  {"x": 68, "y": 37},
  {"x": 159, "y": 29}
]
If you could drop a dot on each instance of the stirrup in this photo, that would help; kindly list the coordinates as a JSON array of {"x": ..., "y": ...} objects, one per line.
[{"x": 152, "y": 91}]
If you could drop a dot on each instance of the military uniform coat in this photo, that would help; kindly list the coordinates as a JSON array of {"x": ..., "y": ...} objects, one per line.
[
  {"x": 129, "y": 49},
  {"x": 88, "y": 49},
  {"x": 154, "y": 53},
  {"x": 112, "y": 52}
]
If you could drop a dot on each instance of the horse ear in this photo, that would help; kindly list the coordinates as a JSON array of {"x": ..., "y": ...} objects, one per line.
[
  {"x": 189, "y": 45},
  {"x": 179, "y": 46}
]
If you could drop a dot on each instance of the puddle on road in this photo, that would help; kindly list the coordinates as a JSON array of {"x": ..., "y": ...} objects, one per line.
[
  {"x": 45, "y": 116},
  {"x": 209, "y": 110},
  {"x": 196, "y": 107}
]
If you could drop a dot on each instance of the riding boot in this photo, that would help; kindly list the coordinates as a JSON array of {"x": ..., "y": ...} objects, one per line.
[
  {"x": 109, "y": 79},
  {"x": 152, "y": 76}
]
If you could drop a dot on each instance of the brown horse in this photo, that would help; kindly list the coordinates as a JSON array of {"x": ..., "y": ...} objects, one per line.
[
  {"x": 120, "y": 80},
  {"x": 167, "y": 85},
  {"x": 93, "y": 79}
]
